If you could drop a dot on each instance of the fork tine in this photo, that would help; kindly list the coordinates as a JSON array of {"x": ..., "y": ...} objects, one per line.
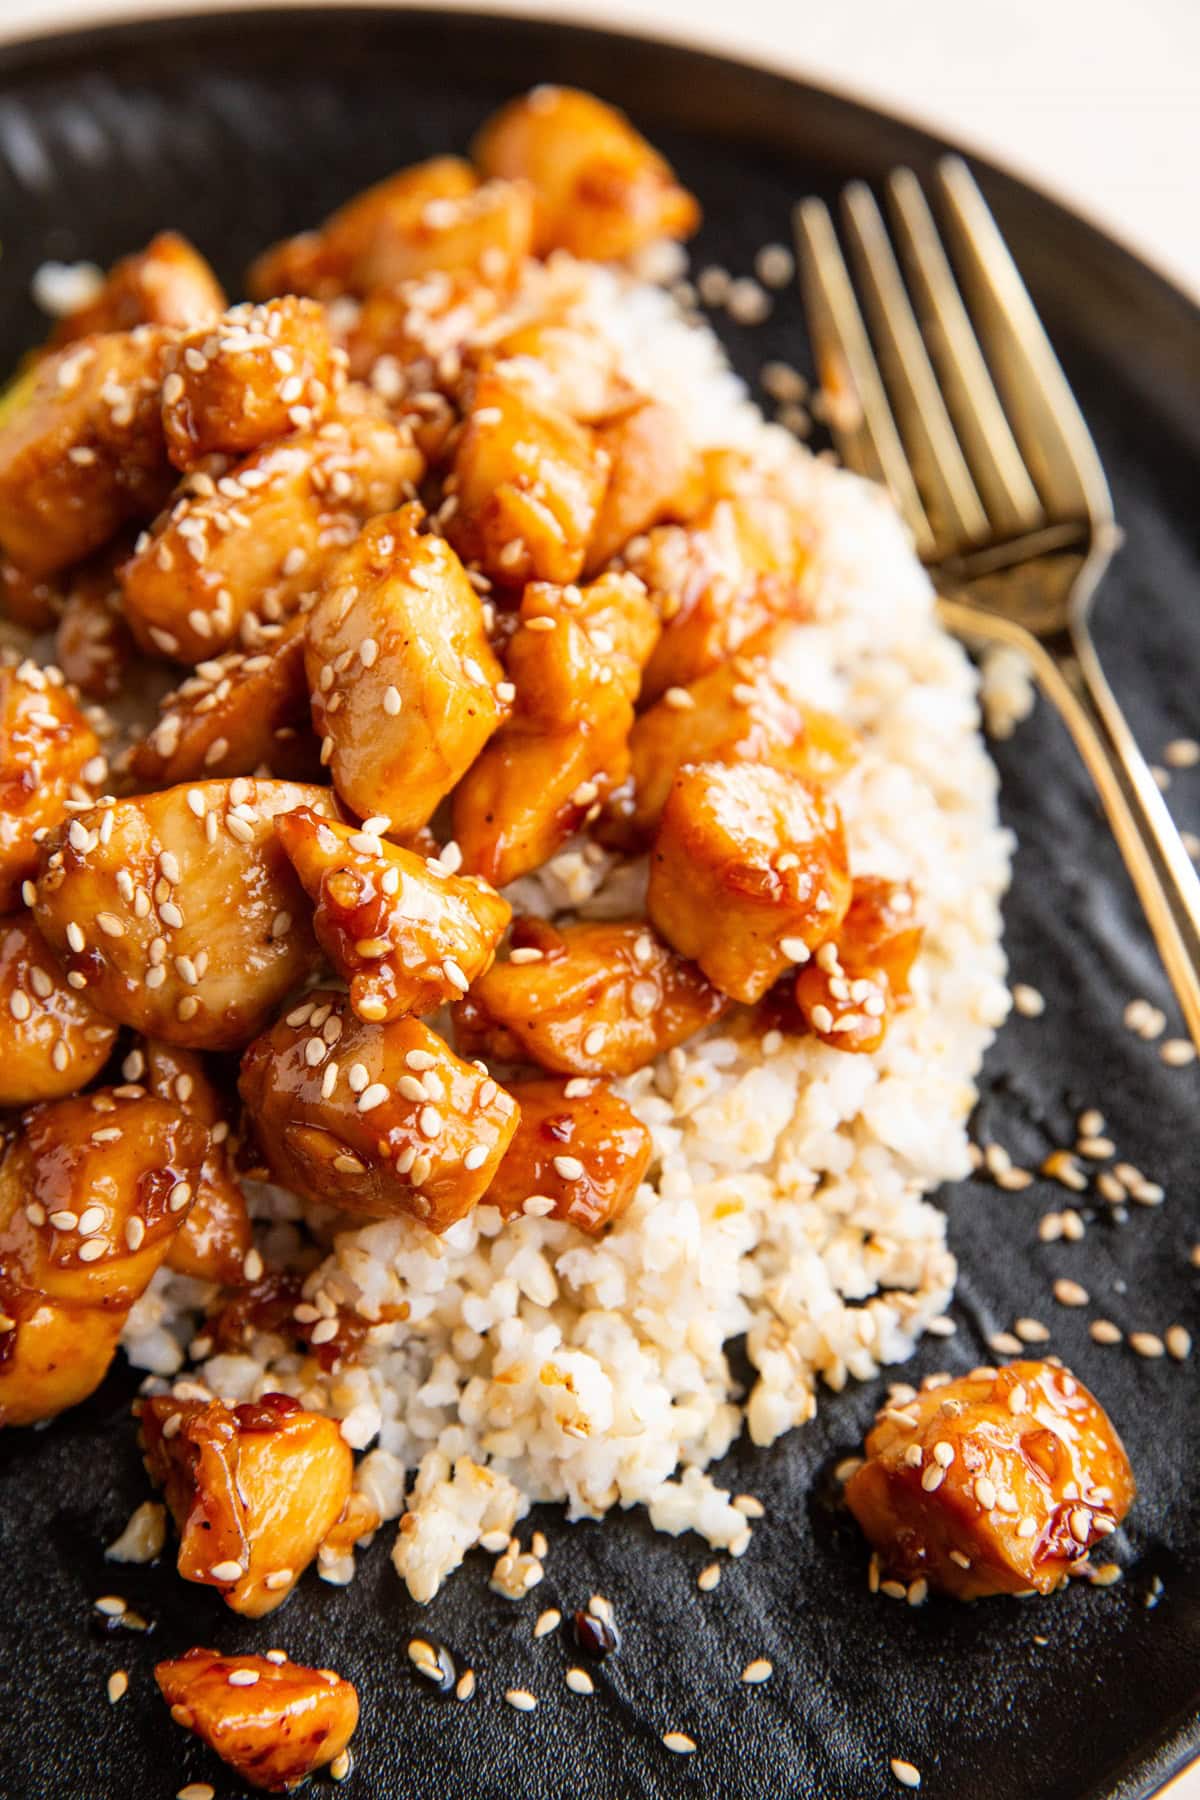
[
  {"x": 1058, "y": 446},
  {"x": 1008, "y": 493},
  {"x": 863, "y": 426},
  {"x": 951, "y": 500}
]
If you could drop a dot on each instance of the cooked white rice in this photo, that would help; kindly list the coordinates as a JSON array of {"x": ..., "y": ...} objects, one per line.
[{"x": 785, "y": 1200}]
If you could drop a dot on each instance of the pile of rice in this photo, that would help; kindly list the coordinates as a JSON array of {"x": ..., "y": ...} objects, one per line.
[{"x": 785, "y": 1197}]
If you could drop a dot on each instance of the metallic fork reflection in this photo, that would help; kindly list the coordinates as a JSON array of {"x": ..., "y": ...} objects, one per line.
[{"x": 974, "y": 429}]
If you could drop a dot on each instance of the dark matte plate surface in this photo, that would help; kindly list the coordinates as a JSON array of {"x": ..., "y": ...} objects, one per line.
[{"x": 238, "y": 129}]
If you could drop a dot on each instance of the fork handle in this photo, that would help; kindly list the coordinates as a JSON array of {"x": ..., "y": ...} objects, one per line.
[{"x": 1069, "y": 673}]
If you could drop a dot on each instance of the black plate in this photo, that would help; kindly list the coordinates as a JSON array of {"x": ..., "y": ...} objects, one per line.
[{"x": 236, "y": 129}]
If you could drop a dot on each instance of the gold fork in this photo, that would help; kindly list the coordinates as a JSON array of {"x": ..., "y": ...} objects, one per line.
[{"x": 1005, "y": 497}]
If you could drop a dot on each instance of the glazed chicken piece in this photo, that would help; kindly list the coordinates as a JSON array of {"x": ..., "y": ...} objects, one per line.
[
  {"x": 403, "y": 932},
  {"x": 992, "y": 1484},
  {"x": 167, "y": 283},
  {"x": 256, "y": 373},
  {"x": 422, "y": 328},
  {"x": 374, "y": 1119},
  {"x": 585, "y": 1000},
  {"x": 528, "y": 482},
  {"x": 601, "y": 191},
  {"x": 55, "y": 1041},
  {"x": 180, "y": 911},
  {"x": 851, "y": 988},
  {"x": 578, "y": 1154},
  {"x": 215, "y": 1237},
  {"x": 81, "y": 449},
  {"x": 27, "y": 600},
  {"x": 484, "y": 235},
  {"x": 559, "y": 359},
  {"x": 260, "y": 540},
  {"x": 654, "y": 475},
  {"x": 273, "y": 1721},
  {"x": 237, "y": 714},
  {"x": 744, "y": 711},
  {"x": 92, "y": 1194},
  {"x": 48, "y": 757},
  {"x": 404, "y": 683},
  {"x": 748, "y": 873},
  {"x": 340, "y": 257},
  {"x": 575, "y": 661},
  {"x": 718, "y": 582},
  {"x": 253, "y": 1490},
  {"x": 93, "y": 645}
]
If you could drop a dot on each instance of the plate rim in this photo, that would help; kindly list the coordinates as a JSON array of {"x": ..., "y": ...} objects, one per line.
[{"x": 1175, "y": 1745}]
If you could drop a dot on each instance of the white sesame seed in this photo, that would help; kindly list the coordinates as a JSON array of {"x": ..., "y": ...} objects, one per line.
[
  {"x": 679, "y": 1742},
  {"x": 227, "y": 1571},
  {"x": 906, "y": 1773},
  {"x": 372, "y": 1096},
  {"x": 593, "y": 1041},
  {"x": 1177, "y": 1052},
  {"x": 1146, "y": 1343},
  {"x": 117, "y": 1686},
  {"x": 111, "y": 1605},
  {"x": 580, "y": 1682},
  {"x": 243, "y": 1677},
  {"x": 454, "y": 975},
  {"x": 252, "y": 1265},
  {"x": 92, "y": 1250},
  {"x": 1178, "y": 1341},
  {"x": 1070, "y": 1293},
  {"x": 521, "y": 1698},
  {"x": 758, "y": 1670},
  {"x": 569, "y": 1167},
  {"x": 196, "y": 1790}
]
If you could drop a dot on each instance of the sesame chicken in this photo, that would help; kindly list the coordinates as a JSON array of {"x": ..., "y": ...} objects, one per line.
[
  {"x": 748, "y": 873},
  {"x": 601, "y": 191},
  {"x": 253, "y": 1491},
  {"x": 243, "y": 713},
  {"x": 93, "y": 644},
  {"x": 575, "y": 662},
  {"x": 54, "y": 1039},
  {"x": 578, "y": 1154},
  {"x": 654, "y": 474},
  {"x": 404, "y": 683},
  {"x": 406, "y": 935},
  {"x": 272, "y": 1720},
  {"x": 81, "y": 449},
  {"x": 559, "y": 359},
  {"x": 48, "y": 754},
  {"x": 215, "y": 1236},
  {"x": 849, "y": 991},
  {"x": 167, "y": 283},
  {"x": 28, "y": 600},
  {"x": 718, "y": 582},
  {"x": 996, "y": 1483},
  {"x": 92, "y": 1194},
  {"x": 339, "y": 257},
  {"x": 527, "y": 484},
  {"x": 178, "y": 912},
  {"x": 259, "y": 539},
  {"x": 256, "y": 373},
  {"x": 590, "y": 999},
  {"x": 485, "y": 234},
  {"x": 745, "y": 710},
  {"x": 374, "y": 1119}
]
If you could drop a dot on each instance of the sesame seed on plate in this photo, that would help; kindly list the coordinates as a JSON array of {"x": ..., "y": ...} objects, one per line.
[
  {"x": 1070, "y": 1293},
  {"x": 117, "y": 1686},
  {"x": 709, "y": 1577},
  {"x": 580, "y": 1682},
  {"x": 1028, "y": 1000},
  {"x": 906, "y": 1773},
  {"x": 521, "y": 1698},
  {"x": 1177, "y": 1052},
  {"x": 679, "y": 1742},
  {"x": 761, "y": 1669},
  {"x": 1179, "y": 1342},
  {"x": 1146, "y": 1343}
]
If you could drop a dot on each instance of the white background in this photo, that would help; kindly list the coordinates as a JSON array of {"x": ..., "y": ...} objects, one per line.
[{"x": 1095, "y": 100}]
